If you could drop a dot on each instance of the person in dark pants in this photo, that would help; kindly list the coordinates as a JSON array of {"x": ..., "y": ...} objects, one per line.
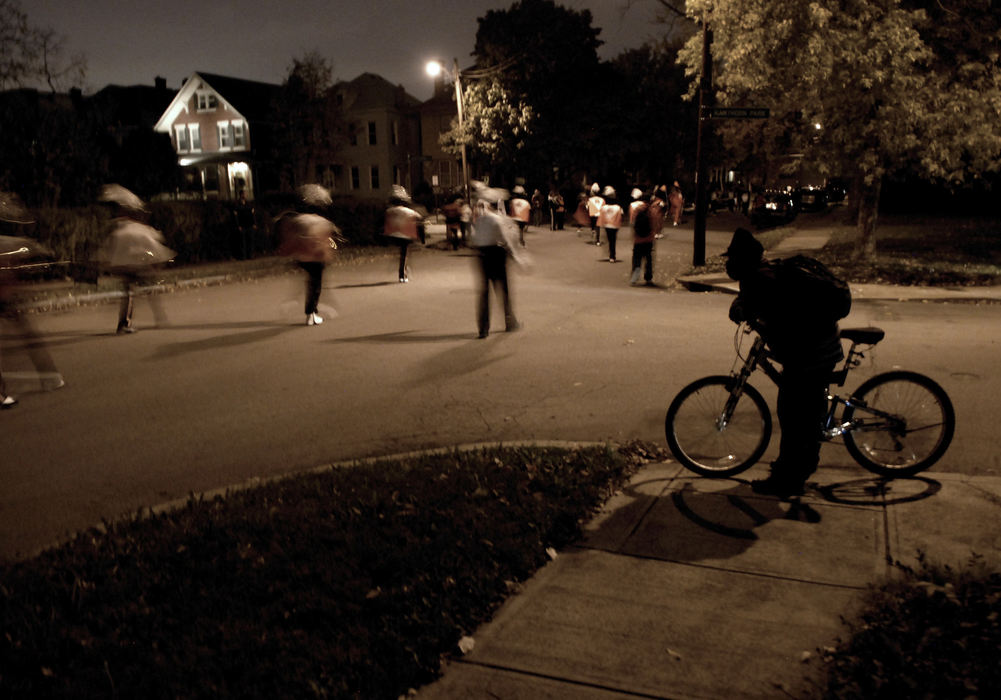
[
  {"x": 649, "y": 218},
  {"x": 489, "y": 241},
  {"x": 804, "y": 341}
]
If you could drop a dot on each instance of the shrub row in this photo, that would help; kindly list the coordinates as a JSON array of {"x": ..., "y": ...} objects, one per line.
[{"x": 200, "y": 231}]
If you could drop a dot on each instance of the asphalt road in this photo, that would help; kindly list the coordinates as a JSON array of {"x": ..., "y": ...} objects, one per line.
[{"x": 238, "y": 387}]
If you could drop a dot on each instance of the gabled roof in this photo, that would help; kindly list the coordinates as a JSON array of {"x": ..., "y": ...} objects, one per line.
[
  {"x": 371, "y": 91},
  {"x": 249, "y": 98}
]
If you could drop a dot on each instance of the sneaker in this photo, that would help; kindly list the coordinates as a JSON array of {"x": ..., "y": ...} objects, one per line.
[
  {"x": 635, "y": 279},
  {"x": 126, "y": 329},
  {"x": 315, "y": 319},
  {"x": 777, "y": 486},
  {"x": 8, "y": 402}
]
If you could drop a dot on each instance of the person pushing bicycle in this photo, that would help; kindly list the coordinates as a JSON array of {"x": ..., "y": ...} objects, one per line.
[{"x": 802, "y": 333}]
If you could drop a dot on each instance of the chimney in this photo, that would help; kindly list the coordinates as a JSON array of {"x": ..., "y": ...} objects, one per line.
[{"x": 160, "y": 83}]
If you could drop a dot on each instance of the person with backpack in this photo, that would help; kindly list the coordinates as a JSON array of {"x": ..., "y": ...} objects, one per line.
[
  {"x": 795, "y": 304},
  {"x": 648, "y": 218}
]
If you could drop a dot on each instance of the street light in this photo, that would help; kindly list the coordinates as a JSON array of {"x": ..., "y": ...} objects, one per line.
[{"x": 434, "y": 69}]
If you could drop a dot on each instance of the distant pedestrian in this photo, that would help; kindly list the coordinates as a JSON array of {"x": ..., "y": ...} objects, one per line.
[
  {"x": 537, "y": 206},
  {"x": 401, "y": 226},
  {"x": 594, "y": 204},
  {"x": 677, "y": 202},
  {"x": 492, "y": 242},
  {"x": 452, "y": 209},
  {"x": 610, "y": 218},
  {"x": 637, "y": 202},
  {"x": 557, "y": 209},
  {"x": 519, "y": 209},
  {"x": 310, "y": 240},
  {"x": 245, "y": 225}
]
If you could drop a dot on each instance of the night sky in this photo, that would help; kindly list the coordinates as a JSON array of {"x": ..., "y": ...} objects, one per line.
[{"x": 130, "y": 43}]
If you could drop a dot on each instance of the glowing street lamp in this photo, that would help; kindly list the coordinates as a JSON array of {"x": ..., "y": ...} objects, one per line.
[{"x": 434, "y": 69}]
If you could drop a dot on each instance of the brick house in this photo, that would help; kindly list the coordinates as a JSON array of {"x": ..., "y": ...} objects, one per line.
[{"x": 218, "y": 126}]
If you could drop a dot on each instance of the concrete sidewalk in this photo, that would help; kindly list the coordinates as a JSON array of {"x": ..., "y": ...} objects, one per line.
[{"x": 686, "y": 587}]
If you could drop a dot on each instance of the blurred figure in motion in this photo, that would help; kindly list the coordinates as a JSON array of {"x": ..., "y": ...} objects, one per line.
[
  {"x": 401, "y": 226},
  {"x": 17, "y": 254},
  {"x": 493, "y": 238},
  {"x": 132, "y": 251},
  {"x": 310, "y": 239},
  {"x": 610, "y": 219},
  {"x": 520, "y": 210},
  {"x": 452, "y": 209}
]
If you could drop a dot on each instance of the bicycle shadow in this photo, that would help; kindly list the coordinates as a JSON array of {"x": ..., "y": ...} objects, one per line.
[{"x": 692, "y": 519}]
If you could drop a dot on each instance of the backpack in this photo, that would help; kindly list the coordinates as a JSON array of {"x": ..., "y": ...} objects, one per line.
[
  {"x": 641, "y": 226},
  {"x": 808, "y": 282}
]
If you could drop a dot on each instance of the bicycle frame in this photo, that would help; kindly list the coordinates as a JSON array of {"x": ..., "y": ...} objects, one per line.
[{"x": 759, "y": 357}]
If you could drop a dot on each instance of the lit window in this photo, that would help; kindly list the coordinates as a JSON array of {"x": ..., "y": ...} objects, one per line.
[
  {"x": 196, "y": 137},
  {"x": 225, "y": 135}
]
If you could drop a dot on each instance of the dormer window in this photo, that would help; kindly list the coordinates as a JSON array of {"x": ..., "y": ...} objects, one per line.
[{"x": 207, "y": 101}]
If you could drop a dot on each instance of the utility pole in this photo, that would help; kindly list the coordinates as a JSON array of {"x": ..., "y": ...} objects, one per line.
[{"x": 701, "y": 186}]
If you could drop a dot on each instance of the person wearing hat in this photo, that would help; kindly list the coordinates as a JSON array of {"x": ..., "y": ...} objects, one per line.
[
  {"x": 610, "y": 219},
  {"x": 401, "y": 226},
  {"x": 520, "y": 209},
  {"x": 594, "y": 204},
  {"x": 805, "y": 343}
]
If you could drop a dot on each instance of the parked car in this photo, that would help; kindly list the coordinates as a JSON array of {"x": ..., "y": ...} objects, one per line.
[
  {"x": 772, "y": 208},
  {"x": 810, "y": 198},
  {"x": 836, "y": 191}
]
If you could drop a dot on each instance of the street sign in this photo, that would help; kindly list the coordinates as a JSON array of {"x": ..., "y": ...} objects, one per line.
[{"x": 737, "y": 112}]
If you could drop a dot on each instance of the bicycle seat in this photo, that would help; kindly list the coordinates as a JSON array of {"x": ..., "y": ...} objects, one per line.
[{"x": 867, "y": 336}]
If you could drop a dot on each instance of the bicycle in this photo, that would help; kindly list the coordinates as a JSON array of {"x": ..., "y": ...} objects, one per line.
[{"x": 896, "y": 423}]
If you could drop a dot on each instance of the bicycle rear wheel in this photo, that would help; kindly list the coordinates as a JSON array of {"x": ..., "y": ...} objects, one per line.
[
  {"x": 713, "y": 435},
  {"x": 903, "y": 423}
]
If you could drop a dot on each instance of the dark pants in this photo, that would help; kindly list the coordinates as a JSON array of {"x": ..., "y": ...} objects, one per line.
[
  {"x": 595, "y": 230},
  {"x": 404, "y": 244},
  {"x": 643, "y": 252},
  {"x": 522, "y": 225},
  {"x": 611, "y": 234},
  {"x": 493, "y": 270},
  {"x": 314, "y": 284},
  {"x": 130, "y": 280},
  {"x": 802, "y": 407}
]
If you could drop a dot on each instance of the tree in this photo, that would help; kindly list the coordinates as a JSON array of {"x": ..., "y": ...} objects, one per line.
[
  {"x": 547, "y": 59},
  {"x": 876, "y": 75},
  {"x": 31, "y": 56},
  {"x": 309, "y": 126},
  {"x": 495, "y": 125}
]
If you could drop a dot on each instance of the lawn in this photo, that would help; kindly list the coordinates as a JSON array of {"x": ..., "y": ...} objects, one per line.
[{"x": 350, "y": 583}]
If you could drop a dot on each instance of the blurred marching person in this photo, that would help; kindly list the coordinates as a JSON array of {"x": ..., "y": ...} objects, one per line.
[
  {"x": 16, "y": 254},
  {"x": 493, "y": 240},
  {"x": 520, "y": 210},
  {"x": 636, "y": 204},
  {"x": 677, "y": 200},
  {"x": 401, "y": 226},
  {"x": 310, "y": 240},
  {"x": 452, "y": 209},
  {"x": 610, "y": 218},
  {"x": 594, "y": 204},
  {"x": 557, "y": 209},
  {"x": 648, "y": 221},
  {"x": 132, "y": 250}
]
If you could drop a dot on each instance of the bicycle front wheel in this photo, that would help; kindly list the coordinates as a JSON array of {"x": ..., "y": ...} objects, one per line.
[
  {"x": 900, "y": 423},
  {"x": 714, "y": 433}
]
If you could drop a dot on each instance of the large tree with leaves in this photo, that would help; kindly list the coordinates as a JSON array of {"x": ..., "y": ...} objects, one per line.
[
  {"x": 891, "y": 84},
  {"x": 533, "y": 83}
]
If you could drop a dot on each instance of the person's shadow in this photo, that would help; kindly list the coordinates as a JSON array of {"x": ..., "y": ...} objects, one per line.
[{"x": 689, "y": 524}]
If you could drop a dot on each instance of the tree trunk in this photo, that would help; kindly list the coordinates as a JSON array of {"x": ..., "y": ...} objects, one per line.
[{"x": 868, "y": 208}]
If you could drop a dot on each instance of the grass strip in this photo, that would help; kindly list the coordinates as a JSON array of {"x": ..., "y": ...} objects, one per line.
[{"x": 350, "y": 583}]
